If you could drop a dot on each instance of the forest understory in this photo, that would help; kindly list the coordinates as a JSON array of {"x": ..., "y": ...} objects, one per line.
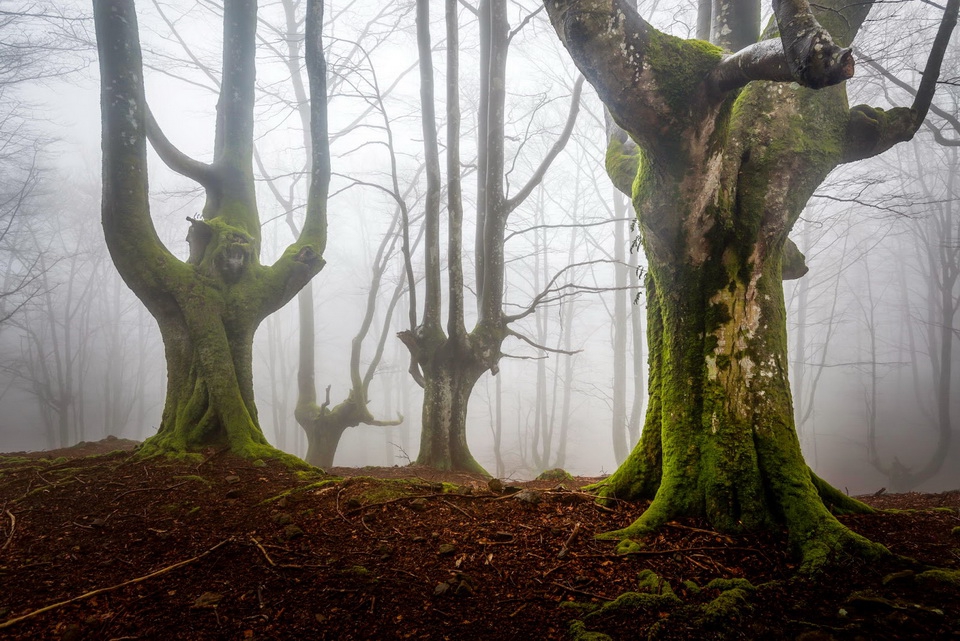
[{"x": 233, "y": 549}]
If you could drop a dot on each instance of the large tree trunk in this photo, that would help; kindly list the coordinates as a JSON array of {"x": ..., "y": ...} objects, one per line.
[
  {"x": 450, "y": 371},
  {"x": 720, "y": 164},
  {"x": 719, "y": 440},
  {"x": 209, "y": 379}
]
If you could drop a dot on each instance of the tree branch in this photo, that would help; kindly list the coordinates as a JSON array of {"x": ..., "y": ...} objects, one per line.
[
  {"x": 175, "y": 159},
  {"x": 304, "y": 258},
  {"x": 814, "y": 59},
  {"x": 543, "y": 348},
  {"x": 765, "y": 60},
  {"x": 942, "y": 113},
  {"x": 872, "y": 131},
  {"x": 128, "y": 228},
  {"x": 523, "y": 23},
  {"x": 558, "y": 145},
  {"x": 539, "y": 298}
]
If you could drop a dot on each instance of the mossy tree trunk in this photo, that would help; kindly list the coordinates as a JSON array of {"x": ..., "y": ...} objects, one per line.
[
  {"x": 720, "y": 155},
  {"x": 209, "y": 306}
]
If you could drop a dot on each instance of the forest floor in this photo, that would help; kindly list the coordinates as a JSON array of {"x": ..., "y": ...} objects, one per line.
[{"x": 95, "y": 544}]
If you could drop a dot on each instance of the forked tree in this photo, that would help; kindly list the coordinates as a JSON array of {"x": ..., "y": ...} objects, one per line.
[
  {"x": 208, "y": 306},
  {"x": 448, "y": 362},
  {"x": 720, "y": 153}
]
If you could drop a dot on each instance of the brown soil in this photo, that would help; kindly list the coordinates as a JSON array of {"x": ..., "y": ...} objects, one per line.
[{"x": 227, "y": 549}]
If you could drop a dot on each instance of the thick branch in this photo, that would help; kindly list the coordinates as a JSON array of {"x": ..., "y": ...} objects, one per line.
[
  {"x": 303, "y": 259},
  {"x": 128, "y": 228},
  {"x": 814, "y": 59},
  {"x": 428, "y": 121},
  {"x": 872, "y": 131},
  {"x": 234, "y": 137},
  {"x": 456, "y": 324},
  {"x": 942, "y": 113},
  {"x": 764, "y": 60},
  {"x": 175, "y": 159},
  {"x": 542, "y": 348}
]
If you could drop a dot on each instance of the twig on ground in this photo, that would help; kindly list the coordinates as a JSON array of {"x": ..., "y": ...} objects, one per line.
[
  {"x": 692, "y": 529},
  {"x": 338, "y": 505},
  {"x": 459, "y": 509},
  {"x": 583, "y": 592},
  {"x": 569, "y": 541},
  {"x": 148, "y": 489},
  {"x": 215, "y": 454},
  {"x": 54, "y": 606},
  {"x": 265, "y": 555},
  {"x": 13, "y": 526}
]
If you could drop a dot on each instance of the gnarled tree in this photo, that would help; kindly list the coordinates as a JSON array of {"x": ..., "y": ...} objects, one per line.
[
  {"x": 720, "y": 153},
  {"x": 208, "y": 306}
]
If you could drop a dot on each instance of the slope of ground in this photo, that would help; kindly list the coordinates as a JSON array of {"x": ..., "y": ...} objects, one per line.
[{"x": 229, "y": 549}]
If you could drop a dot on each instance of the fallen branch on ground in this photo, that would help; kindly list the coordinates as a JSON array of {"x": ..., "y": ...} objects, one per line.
[
  {"x": 54, "y": 606},
  {"x": 13, "y": 526}
]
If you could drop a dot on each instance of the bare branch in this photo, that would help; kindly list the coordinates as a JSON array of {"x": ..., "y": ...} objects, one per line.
[
  {"x": 558, "y": 145},
  {"x": 566, "y": 226},
  {"x": 523, "y": 23},
  {"x": 872, "y": 131},
  {"x": 549, "y": 289},
  {"x": 470, "y": 8},
  {"x": 942, "y": 113},
  {"x": 542, "y": 348}
]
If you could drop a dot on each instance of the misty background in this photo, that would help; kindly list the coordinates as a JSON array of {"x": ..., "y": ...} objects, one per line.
[{"x": 873, "y": 325}]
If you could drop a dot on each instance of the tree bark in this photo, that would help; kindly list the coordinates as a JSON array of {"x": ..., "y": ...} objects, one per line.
[{"x": 718, "y": 179}]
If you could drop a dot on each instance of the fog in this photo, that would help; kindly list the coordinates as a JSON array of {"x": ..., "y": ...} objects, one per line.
[{"x": 873, "y": 327}]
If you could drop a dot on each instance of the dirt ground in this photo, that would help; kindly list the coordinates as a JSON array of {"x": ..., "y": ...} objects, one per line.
[{"x": 110, "y": 547}]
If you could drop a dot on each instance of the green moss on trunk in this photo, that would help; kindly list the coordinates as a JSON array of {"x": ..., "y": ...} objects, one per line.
[{"x": 719, "y": 440}]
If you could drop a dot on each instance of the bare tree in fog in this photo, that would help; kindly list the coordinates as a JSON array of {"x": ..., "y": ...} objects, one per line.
[
  {"x": 40, "y": 42},
  {"x": 322, "y": 423},
  {"x": 932, "y": 308},
  {"x": 448, "y": 363}
]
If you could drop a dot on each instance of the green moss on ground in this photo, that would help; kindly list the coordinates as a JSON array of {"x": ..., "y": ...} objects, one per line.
[
  {"x": 579, "y": 632},
  {"x": 725, "y": 607},
  {"x": 556, "y": 474},
  {"x": 731, "y": 584},
  {"x": 300, "y": 489},
  {"x": 941, "y": 575}
]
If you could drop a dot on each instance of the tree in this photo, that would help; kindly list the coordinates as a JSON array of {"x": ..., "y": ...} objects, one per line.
[
  {"x": 40, "y": 43},
  {"x": 208, "y": 306},
  {"x": 720, "y": 153},
  {"x": 936, "y": 252},
  {"x": 324, "y": 425},
  {"x": 449, "y": 363}
]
